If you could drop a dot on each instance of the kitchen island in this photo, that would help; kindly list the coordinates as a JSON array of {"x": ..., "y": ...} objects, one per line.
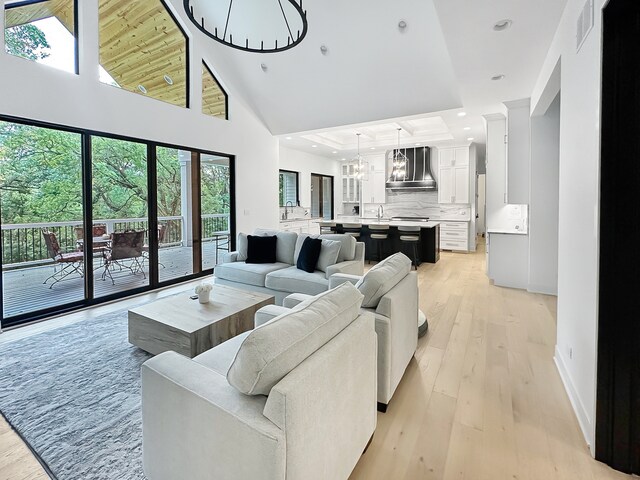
[{"x": 429, "y": 250}]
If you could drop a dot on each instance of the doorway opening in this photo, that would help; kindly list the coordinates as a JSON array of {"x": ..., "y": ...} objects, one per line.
[{"x": 322, "y": 196}]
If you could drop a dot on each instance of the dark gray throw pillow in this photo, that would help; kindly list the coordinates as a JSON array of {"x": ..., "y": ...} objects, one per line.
[
  {"x": 309, "y": 254},
  {"x": 261, "y": 249}
]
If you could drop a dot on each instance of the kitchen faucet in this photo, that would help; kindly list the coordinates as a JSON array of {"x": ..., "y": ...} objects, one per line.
[
  {"x": 286, "y": 214},
  {"x": 380, "y": 212}
]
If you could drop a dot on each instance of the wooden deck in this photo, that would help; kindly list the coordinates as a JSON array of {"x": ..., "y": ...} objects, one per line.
[{"x": 24, "y": 291}]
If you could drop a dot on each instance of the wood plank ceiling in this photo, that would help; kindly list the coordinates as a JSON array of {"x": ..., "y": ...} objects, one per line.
[{"x": 140, "y": 44}]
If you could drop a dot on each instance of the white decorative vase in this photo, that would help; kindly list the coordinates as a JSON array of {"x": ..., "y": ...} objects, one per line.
[{"x": 203, "y": 297}]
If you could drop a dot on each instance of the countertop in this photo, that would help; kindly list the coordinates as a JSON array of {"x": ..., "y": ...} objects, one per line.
[
  {"x": 507, "y": 232},
  {"x": 392, "y": 223}
]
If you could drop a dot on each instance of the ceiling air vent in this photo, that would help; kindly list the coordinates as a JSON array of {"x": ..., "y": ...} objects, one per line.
[{"x": 585, "y": 24}]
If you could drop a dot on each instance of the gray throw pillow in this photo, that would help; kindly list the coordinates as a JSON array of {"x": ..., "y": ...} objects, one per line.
[
  {"x": 348, "y": 245},
  {"x": 242, "y": 247},
  {"x": 382, "y": 277},
  {"x": 272, "y": 350},
  {"x": 328, "y": 253}
]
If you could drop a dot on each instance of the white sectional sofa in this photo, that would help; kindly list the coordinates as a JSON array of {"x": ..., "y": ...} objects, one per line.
[
  {"x": 390, "y": 292},
  {"x": 294, "y": 399},
  {"x": 283, "y": 277}
]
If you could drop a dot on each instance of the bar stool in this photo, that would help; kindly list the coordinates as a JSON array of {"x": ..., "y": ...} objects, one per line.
[
  {"x": 327, "y": 227},
  {"x": 411, "y": 236},
  {"x": 352, "y": 229},
  {"x": 379, "y": 234}
]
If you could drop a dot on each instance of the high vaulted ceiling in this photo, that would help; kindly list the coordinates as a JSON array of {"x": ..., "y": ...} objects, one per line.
[{"x": 373, "y": 71}]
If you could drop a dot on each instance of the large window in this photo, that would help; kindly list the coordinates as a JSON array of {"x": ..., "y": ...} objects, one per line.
[
  {"x": 88, "y": 217},
  {"x": 144, "y": 50},
  {"x": 288, "y": 188},
  {"x": 42, "y": 31}
]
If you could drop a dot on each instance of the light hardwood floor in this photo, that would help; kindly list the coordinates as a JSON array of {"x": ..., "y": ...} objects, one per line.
[{"x": 481, "y": 400}]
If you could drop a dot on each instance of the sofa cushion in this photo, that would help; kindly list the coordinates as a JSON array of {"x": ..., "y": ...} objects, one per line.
[
  {"x": 242, "y": 246},
  {"x": 329, "y": 252},
  {"x": 220, "y": 357},
  {"x": 261, "y": 249},
  {"x": 294, "y": 280},
  {"x": 286, "y": 243},
  {"x": 383, "y": 277},
  {"x": 271, "y": 351},
  {"x": 309, "y": 254},
  {"x": 347, "y": 248},
  {"x": 247, "y": 273}
]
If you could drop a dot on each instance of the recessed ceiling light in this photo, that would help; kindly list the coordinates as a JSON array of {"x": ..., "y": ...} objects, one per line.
[
  {"x": 496, "y": 78},
  {"x": 470, "y": 139},
  {"x": 264, "y": 67},
  {"x": 462, "y": 114},
  {"x": 323, "y": 49},
  {"x": 288, "y": 138},
  {"x": 418, "y": 144},
  {"x": 314, "y": 146},
  {"x": 402, "y": 25},
  {"x": 343, "y": 159},
  {"x": 502, "y": 25},
  {"x": 466, "y": 129},
  {"x": 168, "y": 79},
  {"x": 372, "y": 148},
  {"x": 334, "y": 152},
  {"x": 142, "y": 89}
]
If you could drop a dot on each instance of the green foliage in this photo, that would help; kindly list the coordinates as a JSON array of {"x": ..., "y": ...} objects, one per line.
[
  {"x": 41, "y": 178},
  {"x": 26, "y": 41}
]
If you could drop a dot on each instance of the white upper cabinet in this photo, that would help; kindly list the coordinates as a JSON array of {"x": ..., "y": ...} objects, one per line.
[
  {"x": 453, "y": 175},
  {"x": 374, "y": 188}
]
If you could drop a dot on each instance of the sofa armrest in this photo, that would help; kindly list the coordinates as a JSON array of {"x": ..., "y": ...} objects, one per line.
[
  {"x": 351, "y": 267},
  {"x": 340, "y": 278},
  {"x": 359, "y": 255},
  {"x": 193, "y": 421},
  {"x": 295, "y": 299},
  {"x": 399, "y": 338},
  {"x": 229, "y": 257},
  {"x": 268, "y": 313}
]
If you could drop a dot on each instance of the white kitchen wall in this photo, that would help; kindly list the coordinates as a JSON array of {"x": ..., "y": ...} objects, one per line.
[
  {"x": 38, "y": 92},
  {"x": 305, "y": 164},
  {"x": 578, "y": 207},
  {"x": 543, "y": 211}
]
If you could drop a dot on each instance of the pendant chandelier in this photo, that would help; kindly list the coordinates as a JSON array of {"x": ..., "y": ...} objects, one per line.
[
  {"x": 261, "y": 26},
  {"x": 361, "y": 166},
  {"x": 399, "y": 171}
]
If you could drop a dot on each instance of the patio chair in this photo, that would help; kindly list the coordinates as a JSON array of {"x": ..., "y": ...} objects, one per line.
[
  {"x": 98, "y": 230},
  {"x": 124, "y": 246},
  {"x": 162, "y": 230},
  {"x": 69, "y": 263}
]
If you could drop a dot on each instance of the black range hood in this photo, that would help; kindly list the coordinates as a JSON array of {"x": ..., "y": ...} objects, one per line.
[{"x": 417, "y": 174}]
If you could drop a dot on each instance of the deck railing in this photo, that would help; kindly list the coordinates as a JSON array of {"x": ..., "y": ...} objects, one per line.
[{"x": 23, "y": 244}]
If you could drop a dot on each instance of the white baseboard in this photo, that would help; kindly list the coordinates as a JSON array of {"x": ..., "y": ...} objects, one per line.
[
  {"x": 543, "y": 289},
  {"x": 584, "y": 419}
]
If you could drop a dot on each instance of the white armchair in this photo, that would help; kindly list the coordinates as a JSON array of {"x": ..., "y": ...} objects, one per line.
[
  {"x": 314, "y": 423},
  {"x": 396, "y": 320}
]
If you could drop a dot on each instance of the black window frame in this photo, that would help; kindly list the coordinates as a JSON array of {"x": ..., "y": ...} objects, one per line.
[{"x": 154, "y": 283}]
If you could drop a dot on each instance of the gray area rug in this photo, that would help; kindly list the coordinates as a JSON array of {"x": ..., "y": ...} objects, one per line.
[{"x": 74, "y": 395}]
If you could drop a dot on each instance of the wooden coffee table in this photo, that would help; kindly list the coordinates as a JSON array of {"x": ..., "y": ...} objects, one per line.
[{"x": 188, "y": 327}]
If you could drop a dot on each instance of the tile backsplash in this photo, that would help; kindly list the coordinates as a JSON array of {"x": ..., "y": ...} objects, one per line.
[{"x": 419, "y": 204}]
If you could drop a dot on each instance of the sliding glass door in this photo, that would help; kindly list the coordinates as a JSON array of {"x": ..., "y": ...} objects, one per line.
[
  {"x": 120, "y": 216},
  {"x": 321, "y": 196},
  {"x": 87, "y": 218},
  {"x": 42, "y": 218}
]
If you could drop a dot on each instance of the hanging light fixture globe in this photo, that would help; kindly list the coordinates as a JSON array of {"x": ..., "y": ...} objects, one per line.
[
  {"x": 361, "y": 166},
  {"x": 250, "y": 25},
  {"x": 399, "y": 170}
]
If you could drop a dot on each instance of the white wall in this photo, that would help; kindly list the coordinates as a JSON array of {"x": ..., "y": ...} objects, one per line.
[
  {"x": 543, "y": 211},
  {"x": 38, "y": 92},
  {"x": 578, "y": 207},
  {"x": 305, "y": 164}
]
